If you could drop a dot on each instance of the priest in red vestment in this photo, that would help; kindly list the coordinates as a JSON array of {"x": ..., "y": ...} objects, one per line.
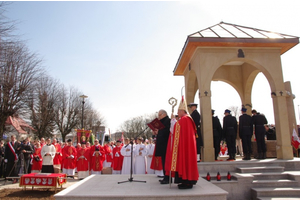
[
  {"x": 37, "y": 159},
  {"x": 58, "y": 156},
  {"x": 83, "y": 155},
  {"x": 97, "y": 156},
  {"x": 108, "y": 155},
  {"x": 69, "y": 158},
  {"x": 117, "y": 158},
  {"x": 183, "y": 156}
]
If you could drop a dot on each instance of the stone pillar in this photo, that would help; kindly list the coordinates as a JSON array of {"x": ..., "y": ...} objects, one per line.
[
  {"x": 207, "y": 152},
  {"x": 283, "y": 148},
  {"x": 290, "y": 107}
]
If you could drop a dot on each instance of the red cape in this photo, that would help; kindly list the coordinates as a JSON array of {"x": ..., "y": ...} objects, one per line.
[
  {"x": 117, "y": 158},
  {"x": 183, "y": 157}
]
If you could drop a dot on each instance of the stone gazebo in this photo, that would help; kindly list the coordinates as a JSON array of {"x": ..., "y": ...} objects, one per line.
[{"x": 236, "y": 54}]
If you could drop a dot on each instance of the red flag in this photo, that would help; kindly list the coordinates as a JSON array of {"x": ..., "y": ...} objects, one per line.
[{"x": 295, "y": 139}]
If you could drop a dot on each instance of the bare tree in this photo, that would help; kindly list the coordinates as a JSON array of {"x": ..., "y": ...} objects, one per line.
[
  {"x": 136, "y": 125},
  {"x": 94, "y": 120},
  {"x": 18, "y": 71},
  {"x": 41, "y": 105},
  {"x": 235, "y": 111},
  {"x": 67, "y": 110}
]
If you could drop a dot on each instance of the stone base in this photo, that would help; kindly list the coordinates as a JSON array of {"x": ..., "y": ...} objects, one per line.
[
  {"x": 270, "y": 146},
  {"x": 108, "y": 187}
]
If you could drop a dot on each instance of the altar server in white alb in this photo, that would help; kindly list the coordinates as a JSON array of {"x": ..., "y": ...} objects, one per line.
[
  {"x": 150, "y": 150},
  {"x": 140, "y": 157},
  {"x": 48, "y": 153},
  {"x": 126, "y": 152}
]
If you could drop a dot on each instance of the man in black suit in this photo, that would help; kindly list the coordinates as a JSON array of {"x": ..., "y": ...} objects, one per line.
[
  {"x": 11, "y": 157},
  {"x": 217, "y": 133},
  {"x": 162, "y": 137},
  {"x": 27, "y": 149},
  {"x": 230, "y": 133},
  {"x": 196, "y": 117},
  {"x": 259, "y": 122},
  {"x": 245, "y": 132}
]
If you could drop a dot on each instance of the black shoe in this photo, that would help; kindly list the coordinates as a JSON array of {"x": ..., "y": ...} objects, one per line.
[
  {"x": 161, "y": 180},
  {"x": 164, "y": 182},
  {"x": 185, "y": 186},
  {"x": 160, "y": 176}
]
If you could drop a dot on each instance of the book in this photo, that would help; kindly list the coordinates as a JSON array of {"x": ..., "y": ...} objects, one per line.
[{"x": 156, "y": 124}]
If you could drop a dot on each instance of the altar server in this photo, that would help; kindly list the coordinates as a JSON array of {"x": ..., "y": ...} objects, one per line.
[
  {"x": 140, "y": 157},
  {"x": 83, "y": 155},
  {"x": 117, "y": 158},
  {"x": 97, "y": 155},
  {"x": 48, "y": 153},
  {"x": 69, "y": 158},
  {"x": 126, "y": 152}
]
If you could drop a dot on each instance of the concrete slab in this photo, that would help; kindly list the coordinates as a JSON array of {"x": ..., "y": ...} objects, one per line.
[{"x": 107, "y": 187}]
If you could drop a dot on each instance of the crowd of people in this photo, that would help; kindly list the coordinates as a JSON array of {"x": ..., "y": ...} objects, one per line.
[
  {"x": 173, "y": 151},
  {"x": 46, "y": 156}
]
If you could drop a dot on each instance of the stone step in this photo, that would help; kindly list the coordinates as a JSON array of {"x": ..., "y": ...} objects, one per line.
[
  {"x": 270, "y": 176},
  {"x": 275, "y": 192},
  {"x": 275, "y": 183},
  {"x": 260, "y": 169}
]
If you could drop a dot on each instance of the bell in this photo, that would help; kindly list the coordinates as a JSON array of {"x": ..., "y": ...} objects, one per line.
[
  {"x": 208, "y": 176},
  {"x": 228, "y": 176},
  {"x": 218, "y": 177}
]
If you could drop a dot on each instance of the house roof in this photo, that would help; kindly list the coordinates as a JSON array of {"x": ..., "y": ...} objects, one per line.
[{"x": 232, "y": 35}]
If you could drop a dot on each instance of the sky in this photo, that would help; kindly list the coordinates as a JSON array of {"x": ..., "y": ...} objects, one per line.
[{"x": 122, "y": 54}]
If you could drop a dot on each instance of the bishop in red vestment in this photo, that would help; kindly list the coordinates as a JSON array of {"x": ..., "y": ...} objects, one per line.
[
  {"x": 117, "y": 158},
  {"x": 183, "y": 157},
  {"x": 69, "y": 158}
]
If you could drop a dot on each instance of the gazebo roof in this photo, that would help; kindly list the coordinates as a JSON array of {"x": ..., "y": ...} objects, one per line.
[{"x": 232, "y": 35}]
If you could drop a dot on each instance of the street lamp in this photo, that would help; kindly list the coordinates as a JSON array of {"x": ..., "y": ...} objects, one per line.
[{"x": 83, "y": 97}]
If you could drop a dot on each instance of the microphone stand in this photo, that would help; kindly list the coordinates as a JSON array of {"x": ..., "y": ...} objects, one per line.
[{"x": 130, "y": 179}]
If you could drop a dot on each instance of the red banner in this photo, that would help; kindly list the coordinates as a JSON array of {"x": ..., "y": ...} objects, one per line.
[
  {"x": 42, "y": 179},
  {"x": 83, "y": 135}
]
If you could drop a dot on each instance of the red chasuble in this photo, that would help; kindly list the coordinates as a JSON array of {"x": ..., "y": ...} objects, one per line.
[
  {"x": 58, "y": 155},
  {"x": 117, "y": 158},
  {"x": 156, "y": 163},
  {"x": 37, "y": 165},
  {"x": 183, "y": 157},
  {"x": 108, "y": 152},
  {"x": 69, "y": 163},
  {"x": 83, "y": 159},
  {"x": 97, "y": 158}
]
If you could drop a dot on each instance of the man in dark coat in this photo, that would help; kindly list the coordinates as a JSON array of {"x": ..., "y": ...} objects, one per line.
[
  {"x": 162, "y": 137},
  {"x": 246, "y": 131},
  {"x": 217, "y": 133},
  {"x": 196, "y": 117},
  {"x": 27, "y": 149},
  {"x": 11, "y": 157},
  {"x": 259, "y": 122},
  {"x": 230, "y": 132}
]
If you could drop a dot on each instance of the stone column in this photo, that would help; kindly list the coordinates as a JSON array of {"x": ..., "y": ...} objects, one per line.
[
  {"x": 207, "y": 152},
  {"x": 283, "y": 149}
]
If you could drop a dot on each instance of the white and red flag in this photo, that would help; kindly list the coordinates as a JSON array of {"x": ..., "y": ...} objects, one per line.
[{"x": 295, "y": 139}]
